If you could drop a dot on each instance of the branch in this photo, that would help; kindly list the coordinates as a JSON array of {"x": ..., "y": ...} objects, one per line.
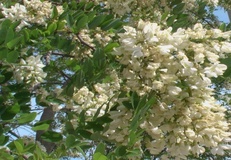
[
  {"x": 64, "y": 75},
  {"x": 63, "y": 55},
  {"x": 14, "y": 134},
  {"x": 85, "y": 43},
  {"x": 58, "y": 83}
]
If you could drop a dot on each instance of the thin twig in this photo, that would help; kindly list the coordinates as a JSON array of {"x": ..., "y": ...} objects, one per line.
[
  {"x": 63, "y": 55},
  {"x": 66, "y": 76},
  {"x": 85, "y": 43},
  {"x": 14, "y": 134}
]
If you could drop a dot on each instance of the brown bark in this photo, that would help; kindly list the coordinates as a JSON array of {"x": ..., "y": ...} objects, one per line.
[
  {"x": 48, "y": 114},
  {"x": 229, "y": 13}
]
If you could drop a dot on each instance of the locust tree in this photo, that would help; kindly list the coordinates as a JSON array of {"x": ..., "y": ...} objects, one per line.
[{"x": 116, "y": 79}]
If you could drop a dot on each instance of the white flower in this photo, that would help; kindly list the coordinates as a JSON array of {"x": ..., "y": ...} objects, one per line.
[
  {"x": 166, "y": 49},
  {"x": 190, "y": 133},
  {"x": 137, "y": 53},
  {"x": 226, "y": 47},
  {"x": 174, "y": 90},
  {"x": 33, "y": 11},
  {"x": 217, "y": 151},
  {"x": 215, "y": 70},
  {"x": 30, "y": 70},
  {"x": 84, "y": 97},
  {"x": 197, "y": 150},
  {"x": 178, "y": 67}
]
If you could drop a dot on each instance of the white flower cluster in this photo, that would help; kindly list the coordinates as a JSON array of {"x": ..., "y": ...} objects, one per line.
[
  {"x": 30, "y": 70},
  {"x": 121, "y": 7},
  {"x": 33, "y": 11},
  {"x": 119, "y": 128},
  {"x": 91, "y": 101},
  {"x": 178, "y": 67},
  {"x": 103, "y": 37}
]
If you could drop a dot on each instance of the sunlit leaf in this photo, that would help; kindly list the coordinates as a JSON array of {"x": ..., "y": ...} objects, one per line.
[{"x": 51, "y": 136}]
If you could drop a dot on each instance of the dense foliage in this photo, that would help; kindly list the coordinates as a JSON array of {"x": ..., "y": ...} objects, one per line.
[{"x": 115, "y": 79}]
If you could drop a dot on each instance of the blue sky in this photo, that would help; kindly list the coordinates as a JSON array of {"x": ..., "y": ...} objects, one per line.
[{"x": 222, "y": 15}]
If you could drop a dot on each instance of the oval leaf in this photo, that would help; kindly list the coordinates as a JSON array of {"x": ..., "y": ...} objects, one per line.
[
  {"x": 51, "y": 136},
  {"x": 26, "y": 117}
]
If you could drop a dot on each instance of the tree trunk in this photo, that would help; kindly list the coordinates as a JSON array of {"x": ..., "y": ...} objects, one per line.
[
  {"x": 48, "y": 114},
  {"x": 229, "y": 14}
]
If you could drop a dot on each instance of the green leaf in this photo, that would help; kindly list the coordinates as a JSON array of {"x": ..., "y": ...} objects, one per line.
[
  {"x": 7, "y": 75},
  {"x": 141, "y": 110},
  {"x": 9, "y": 35},
  {"x": 3, "y": 140},
  {"x": 121, "y": 151},
  {"x": 69, "y": 20},
  {"x": 41, "y": 127},
  {"x": 3, "y": 33},
  {"x": 134, "y": 136},
  {"x": 14, "y": 24},
  {"x": 70, "y": 141},
  {"x": 81, "y": 23},
  {"x": 113, "y": 24},
  {"x": 26, "y": 117},
  {"x": 99, "y": 59},
  {"x": 133, "y": 153},
  {"x": 13, "y": 109},
  {"x": 29, "y": 147},
  {"x": 54, "y": 13},
  {"x": 11, "y": 44},
  {"x": 179, "y": 8},
  {"x": 10, "y": 112},
  {"x": 109, "y": 47},
  {"x": 81, "y": 151},
  {"x": 89, "y": 5},
  {"x": 18, "y": 146},
  {"x": 99, "y": 156},
  {"x": 6, "y": 23},
  {"x": 171, "y": 20},
  {"x": 95, "y": 126},
  {"x": 175, "y": 2},
  {"x": 51, "y": 136},
  {"x": 53, "y": 99},
  {"x": 26, "y": 35},
  {"x": 60, "y": 25},
  {"x": 2, "y": 78},
  {"x": 79, "y": 79},
  {"x": 223, "y": 27},
  {"x": 12, "y": 56},
  {"x": 5, "y": 155},
  {"x": 96, "y": 21},
  {"x": 91, "y": 15},
  {"x": 52, "y": 28},
  {"x": 35, "y": 33},
  {"x": 164, "y": 16},
  {"x": 227, "y": 62},
  {"x": 22, "y": 94},
  {"x": 135, "y": 100},
  {"x": 84, "y": 133},
  {"x": 43, "y": 122},
  {"x": 3, "y": 53},
  {"x": 100, "y": 148},
  {"x": 69, "y": 127},
  {"x": 104, "y": 119}
]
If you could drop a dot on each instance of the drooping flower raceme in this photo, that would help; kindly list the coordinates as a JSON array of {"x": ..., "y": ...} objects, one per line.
[
  {"x": 30, "y": 70},
  {"x": 178, "y": 68},
  {"x": 32, "y": 11},
  {"x": 121, "y": 7}
]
